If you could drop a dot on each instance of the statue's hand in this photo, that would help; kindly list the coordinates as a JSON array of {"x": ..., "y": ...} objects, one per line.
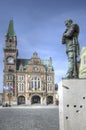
[{"x": 65, "y": 35}]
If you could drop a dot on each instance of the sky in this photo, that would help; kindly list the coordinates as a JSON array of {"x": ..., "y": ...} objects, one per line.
[{"x": 39, "y": 25}]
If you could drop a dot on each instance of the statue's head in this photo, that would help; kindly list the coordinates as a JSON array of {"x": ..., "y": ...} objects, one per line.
[{"x": 68, "y": 22}]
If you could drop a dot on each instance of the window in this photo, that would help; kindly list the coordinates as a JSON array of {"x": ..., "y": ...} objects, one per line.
[
  {"x": 21, "y": 87},
  {"x": 10, "y": 40},
  {"x": 49, "y": 78},
  {"x": 10, "y": 69},
  {"x": 21, "y": 78},
  {"x": 10, "y": 84},
  {"x": 49, "y": 87},
  {"x": 35, "y": 83},
  {"x": 10, "y": 77},
  {"x": 35, "y": 69}
]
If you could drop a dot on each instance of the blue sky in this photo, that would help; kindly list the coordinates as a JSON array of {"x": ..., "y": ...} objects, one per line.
[{"x": 39, "y": 25}]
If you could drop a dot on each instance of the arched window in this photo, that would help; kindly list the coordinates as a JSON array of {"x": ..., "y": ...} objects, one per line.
[{"x": 35, "y": 83}]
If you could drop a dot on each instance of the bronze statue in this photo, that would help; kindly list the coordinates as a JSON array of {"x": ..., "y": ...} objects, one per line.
[{"x": 70, "y": 38}]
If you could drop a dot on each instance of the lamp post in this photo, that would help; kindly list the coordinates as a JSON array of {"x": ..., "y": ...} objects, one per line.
[
  {"x": 45, "y": 85},
  {"x": 10, "y": 95}
]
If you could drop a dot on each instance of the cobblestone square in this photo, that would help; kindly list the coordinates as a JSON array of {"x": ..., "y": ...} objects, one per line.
[{"x": 29, "y": 119}]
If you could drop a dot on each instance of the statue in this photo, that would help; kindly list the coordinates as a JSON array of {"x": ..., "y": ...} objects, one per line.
[{"x": 70, "y": 38}]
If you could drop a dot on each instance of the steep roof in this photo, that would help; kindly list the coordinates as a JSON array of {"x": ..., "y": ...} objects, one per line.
[
  {"x": 24, "y": 62},
  {"x": 46, "y": 62},
  {"x": 10, "y": 31}
]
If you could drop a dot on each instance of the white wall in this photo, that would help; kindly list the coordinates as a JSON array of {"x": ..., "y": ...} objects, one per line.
[{"x": 72, "y": 104}]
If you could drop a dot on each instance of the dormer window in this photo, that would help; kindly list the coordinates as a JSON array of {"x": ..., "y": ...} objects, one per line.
[{"x": 21, "y": 68}]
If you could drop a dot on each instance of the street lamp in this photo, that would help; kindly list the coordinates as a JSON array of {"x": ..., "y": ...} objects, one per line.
[{"x": 9, "y": 96}]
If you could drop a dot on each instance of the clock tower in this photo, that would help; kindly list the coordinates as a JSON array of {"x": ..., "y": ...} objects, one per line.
[{"x": 10, "y": 59}]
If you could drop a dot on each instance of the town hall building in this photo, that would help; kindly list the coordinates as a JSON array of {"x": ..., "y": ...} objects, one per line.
[{"x": 26, "y": 81}]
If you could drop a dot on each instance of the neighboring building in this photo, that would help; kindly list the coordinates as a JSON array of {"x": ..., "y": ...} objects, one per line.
[
  {"x": 82, "y": 70},
  {"x": 56, "y": 87},
  {"x": 1, "y": 98},
  {"x": 26, "y": 81}
]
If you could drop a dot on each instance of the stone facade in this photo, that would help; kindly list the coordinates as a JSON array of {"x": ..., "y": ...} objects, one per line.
[
  {"x": 26, "y": 81},
  {"x": 82, "y": 71}
]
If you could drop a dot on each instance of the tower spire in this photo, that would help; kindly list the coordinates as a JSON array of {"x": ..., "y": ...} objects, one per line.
[{"x": 10, "y": 31}]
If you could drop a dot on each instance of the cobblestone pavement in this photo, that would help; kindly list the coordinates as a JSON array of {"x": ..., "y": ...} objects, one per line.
[{"x": 25, "y": 118}]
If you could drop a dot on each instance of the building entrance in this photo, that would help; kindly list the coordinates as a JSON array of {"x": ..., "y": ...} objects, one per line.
[
  {"x": 36, "y": 99},
  {"x": 50, "y": 100},
  {"x": 21, "y": 100}
]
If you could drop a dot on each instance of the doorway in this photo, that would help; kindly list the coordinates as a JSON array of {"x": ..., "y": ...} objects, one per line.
[
  {"x": 36, "y": 99},
  {"x": 21, "y": 100}
]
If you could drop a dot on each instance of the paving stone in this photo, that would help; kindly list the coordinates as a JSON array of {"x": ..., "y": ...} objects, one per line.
[{"x": 29, "y": 119}]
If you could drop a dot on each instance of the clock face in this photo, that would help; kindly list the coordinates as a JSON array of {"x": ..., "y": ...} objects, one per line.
[{"x": 10, "y": 60}]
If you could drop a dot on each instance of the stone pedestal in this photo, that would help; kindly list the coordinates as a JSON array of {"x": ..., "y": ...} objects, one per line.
[{"x": 72, "y": 104}]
